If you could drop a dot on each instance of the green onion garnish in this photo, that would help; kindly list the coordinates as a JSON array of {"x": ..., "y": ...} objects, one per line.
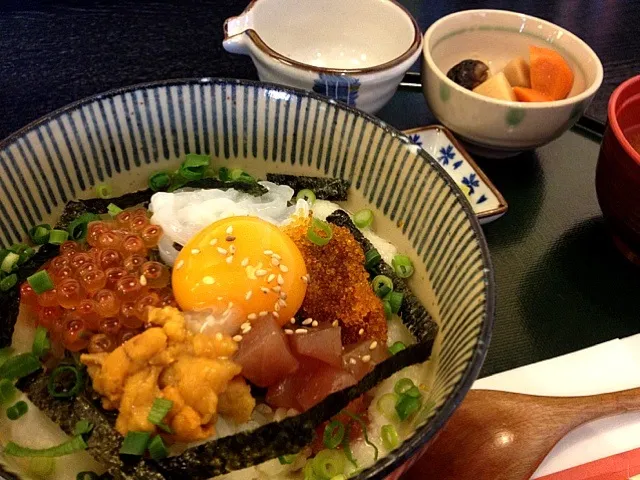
[
  {"x": 407, "y": 405},
  {"x": 403, "y": 385},
  {"x": 396, "y": 347},
  {"x": 389, "y": 436},
  {"x": 82, "y": 427},
  {"x": 157, "y": 449},
  {"x": 17, "y": 410},
  {"x": 76, "y": 444},
  {"x": 8, "y": 282},
  {"x": 159, "y": 410},
  {"x": 319, "y": 232},
  {"x": 194, "y": 166},
  {"x": 159, "y": 181},
  {"x": 346, "y": 446},
  {"x": 363, "y": 427},
  {"x": 286, "y": 459},
  {"x": 135, "y": 443},
  {"x": 103, "y": 190},
  {"x": 8, "y": 391},
  {"x": 307, "y": 195},
  {"x": 413, "y": 392},
  {"x": 41, "y": 467},
  {"x": 78, "y": 228},
  {"x": 87, "y": 476},
  {"x": 333, "y": 434},
  {"x": 65, "y": 381},
  {"x": 26, "y": 254},
  {"x": 239, "y": 175},
  {"x": 57, "y": 237},
  {"x": 382, "y": 285},
  {"x": 19, "y": 366},
  {"x": 386, "y": 405},
  {"x": 328, "y": 463},
  {"x": 5, "y": 354},
  {"x": 41, "y": 343},
  {"x": 395, "y": 301},
  {"x": 18, "y": 248},
  {"x": 224, "y": 174},
  {"x": 40, "y": 282},
  {"x": 388, "y": 312},
  {"x": 9, "y": 261},
  {"x": 363, "y": 218},
  {"x": 371, "y": 259},
  {"x": 113, "y": 209},
  {"x": 40, "y": 233},
  {"x": 308, "y": 472},
  {"x": 403, "y": 266}
]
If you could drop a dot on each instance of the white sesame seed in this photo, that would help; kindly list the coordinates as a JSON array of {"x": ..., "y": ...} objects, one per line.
[
  {"x": 229, "y": 259},
  {"x": 245, "y": 325},
  {"x": 283, "y": 295},
  {"x": 229, "y": 230},
  {"x": 208, "y": 280},
  {"x": 263, "y": 314},
  {"x": 246, "y": 330},
  {"x": 270, "y": 277},
  {"x": 373, "y": 345},
  {"x": 252, "y": 316},
  {"x": 276, "y": 289},
  {"x": 195, "y": 251},
  {"x": 275, "y": 314},
  {"x": 352, "y": 361},
  {"x": 293, "y": 321},
  {"x": 143, "y": 280},
  {"x": 237, "y": 338},
  {"x": 276, "y": 307},
  {"x": 307, "y": 321},
  {"x": 245, "y": 262},
  {"x": 264, "y": 290},
  {"x": 314, "y": 323},
  {"x": 282, "y": 302},
  {"x": 213, "y": 242},
  {"x": 219, "y": 336},
  {"x": 335, "y": 323},
  {"x": 366, "y": 358},
  {"x": 223, "y": 358},
  {"x": 305, "y": 278},
  {"x": 261, "y": 272},
  {"x": 247, "y": 295},
  {"x": 280, "y": 280},
  {"x": 222, "y": 251},
  {"x": 301, "y": 331},
  {"x": 284, "y": 268},
  {"x": 276, "y": 256},
  {"x": 232, "y": 249},
  {"x": 275, "y": 262},
  {"x": 180, "y": 264},
  {"x": 219, "y": 299},
  {"x": 288, "y": 331},
  {"x": 361, "y": 331},
  {"x": 268, "y": 252}
]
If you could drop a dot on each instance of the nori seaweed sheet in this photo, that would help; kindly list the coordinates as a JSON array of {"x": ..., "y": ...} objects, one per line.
[
  {"x": 334, "y": 189},
  {"x": 103, "y": 442},
  {"x": 412, "y": 312}
]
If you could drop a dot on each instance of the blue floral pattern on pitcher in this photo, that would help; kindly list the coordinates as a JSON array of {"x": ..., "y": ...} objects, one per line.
[{"x": 340, "y": 87}]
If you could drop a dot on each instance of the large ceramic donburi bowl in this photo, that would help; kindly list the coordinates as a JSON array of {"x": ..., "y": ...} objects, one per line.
[{"x": 121, "y": 136}]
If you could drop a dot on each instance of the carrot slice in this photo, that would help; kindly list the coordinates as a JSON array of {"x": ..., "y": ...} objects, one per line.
[
  {"x": 550, "y": 73},
  {"x": 530, "y": 95}
]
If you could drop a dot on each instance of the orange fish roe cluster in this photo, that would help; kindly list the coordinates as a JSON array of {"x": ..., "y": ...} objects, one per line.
[
  {"x": 339, "y": 287},
  {"x": 104, "y": 287}
]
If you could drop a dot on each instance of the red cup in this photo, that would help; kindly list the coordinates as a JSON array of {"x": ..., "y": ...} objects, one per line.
[{"x": 618, "y": 170}]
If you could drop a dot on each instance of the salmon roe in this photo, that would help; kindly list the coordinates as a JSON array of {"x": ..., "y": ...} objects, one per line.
[{"x": 103, "y": 287}]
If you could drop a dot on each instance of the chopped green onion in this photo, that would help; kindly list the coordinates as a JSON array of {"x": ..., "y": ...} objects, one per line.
[
  {"x": 42, "y": 467},
  {"x": 40, "y": 282},
  {"x": 135, "y": 443},
  {"x": 309, "y": 473},
  {"x": 82, "y": 427},
  {"x": 17, "y": 410},
  {"x": 319, "y": 232},
  {"x": 9, "y": 261},
  {"x": 157, "y": 449},
  {"x": 8, "y": 282},
  {"x": 403, "y": 385},
  {"x": 19, "y": 366},
  {"x": 194, "y": 166},
  {"x": 388, "y": 312},
  {"x": 5, "y": 354},
  {"x": 389, "y": 436},
  {"x": 87, "y": 476},
  {"x": 26, "y": 254},
  {"x": 177, "y": 181},
  {"x": 333, "y": 434},
  {"x": 165, "y": 428},
  {"x": 328, "y": 463},
  {"x": 113, "y": 209},
  {"x": 239, "y": 175},
  {"x": 396, "y": 347},
  {"x": 103, "y": 190},
  {"x": 18, "y": 248},
  {"x": 76, "y": 444},
  {"x": 40, "y": 234},
  {"x": 307, "y": 195},
  {"x": 41, "y": 343},
  {"x": 403, "y": 266},
  {"x": 159, "y": 181},
  {"x": 57, "y": 237},
  {"x": 407, "y": 406},
  {"x": 365, "y": 434},
  {"x": 346, "y": 447},
  {"x": 382, "y": 285},
  {"x": 61, "y": 385},
  {"x": 413, "y": 392},
  {"x": 395, "y": 301},
  {"x": 386, "y": 405},
  {"x": 224, "y": 174},
  {"x": 78, "y": 228},
  {"x": 363, "y": 218},
  {"x": 339, "y": 477},
  {"x": 159, "y": 410},
  {"x": 371, "y": 259},
  {"x": 7, "y": 391},
  {"x": 286, "y": 459}
]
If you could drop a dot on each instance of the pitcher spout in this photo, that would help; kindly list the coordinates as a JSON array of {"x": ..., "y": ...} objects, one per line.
[{"x": 235, "y": 40}]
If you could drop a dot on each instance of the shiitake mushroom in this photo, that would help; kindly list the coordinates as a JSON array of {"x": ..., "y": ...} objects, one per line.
[{"x": 469, "y": 73}]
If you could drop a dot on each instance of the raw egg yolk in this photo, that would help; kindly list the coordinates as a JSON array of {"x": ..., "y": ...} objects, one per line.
[{"x": 244, "y": 262}]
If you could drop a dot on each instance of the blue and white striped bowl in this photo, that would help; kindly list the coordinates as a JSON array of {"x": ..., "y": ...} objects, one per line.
[{"x": 121, "y": 136}]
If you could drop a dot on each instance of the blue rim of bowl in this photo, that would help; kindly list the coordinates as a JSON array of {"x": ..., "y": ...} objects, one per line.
[{"x": 425, "y": 432}]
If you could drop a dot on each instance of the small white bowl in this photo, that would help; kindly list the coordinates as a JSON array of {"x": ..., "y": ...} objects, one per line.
[
  {"x": 493, "y": 127},
  {"x": 354, "y": 51}
]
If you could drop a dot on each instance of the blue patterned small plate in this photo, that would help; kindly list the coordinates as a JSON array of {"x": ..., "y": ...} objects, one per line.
[{"x": 487, "y": 202}]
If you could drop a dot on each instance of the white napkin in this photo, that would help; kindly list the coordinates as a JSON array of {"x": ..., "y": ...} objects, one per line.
[{"x": 608, "y": 367}]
